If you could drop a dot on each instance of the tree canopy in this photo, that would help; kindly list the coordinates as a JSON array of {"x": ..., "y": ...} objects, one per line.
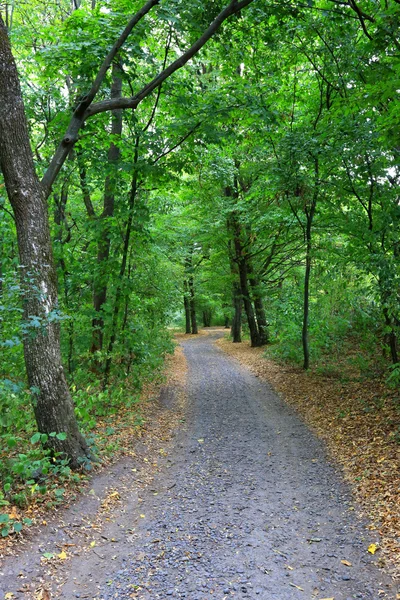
[{"x": 179, "y": 163}]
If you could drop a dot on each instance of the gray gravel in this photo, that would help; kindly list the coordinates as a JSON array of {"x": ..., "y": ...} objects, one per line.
[{"x": 249, "y": 507}]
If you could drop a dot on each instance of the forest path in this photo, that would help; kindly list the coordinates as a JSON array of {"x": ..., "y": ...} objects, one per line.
[
  {"x": 244, "y": 504},
  {"x": 251, "y": 508}
]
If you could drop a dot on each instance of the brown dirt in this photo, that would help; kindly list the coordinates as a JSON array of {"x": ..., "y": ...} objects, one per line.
[{"x": 359, "y": 423}]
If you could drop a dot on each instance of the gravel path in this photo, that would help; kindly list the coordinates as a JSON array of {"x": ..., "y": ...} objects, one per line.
[{"x": 249, "y": 506}]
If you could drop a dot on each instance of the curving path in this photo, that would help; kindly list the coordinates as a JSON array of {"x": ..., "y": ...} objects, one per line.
[{"x": 249, "y": 506}]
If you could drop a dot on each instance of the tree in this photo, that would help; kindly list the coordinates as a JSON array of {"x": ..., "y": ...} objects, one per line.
[{"x": 53, "y": 405}]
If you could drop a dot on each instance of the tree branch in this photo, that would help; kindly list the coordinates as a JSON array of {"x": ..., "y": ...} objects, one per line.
[
  {"x": 233, "y": 7},
  {"x": 78, "y": 116},
  {"x": 87, "y": 109}
]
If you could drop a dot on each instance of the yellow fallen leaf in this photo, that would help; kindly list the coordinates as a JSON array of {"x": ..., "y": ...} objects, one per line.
[
  {"x": 346, "y": 563},
  {"x": 62, "y": 555},
  {"x": 92, "y": 544},
  {"x": 327, "y": 598},
  {"x": 372, "y": 548},
  {"x": 114, "y": 495},
  {"x": 9, "y": 595},
  {"x": 380, "y": 460},
  {"x": 142, "y": 516},
  {"x": 14, "y": 513},
  {"x": 201, "y": 441}
]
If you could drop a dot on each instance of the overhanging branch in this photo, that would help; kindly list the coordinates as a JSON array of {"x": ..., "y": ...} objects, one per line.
[{"x": 86, "y": 109}]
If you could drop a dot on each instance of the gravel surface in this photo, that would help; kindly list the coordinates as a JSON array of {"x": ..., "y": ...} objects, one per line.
[{"x": 247, "y": 505}]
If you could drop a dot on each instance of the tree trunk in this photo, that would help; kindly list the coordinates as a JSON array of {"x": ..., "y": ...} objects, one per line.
[
  {"x": 186, "y": 304},
  {"x": 52, "y": 403},
  {"x": 241, "y": 261},
  {"x": 207, "y": 316},
  {"x": 306, "y": 301},
  {"x": 310, "y": 213},
  {"x": 118, "y": 293},
  {"x": 262, "y": 322},
  {"x": 236, "y": 328},
  {"x": 391, "y": 337},
  {"x": 103, "y": 252},
  {"x": 192, "y": 303}
]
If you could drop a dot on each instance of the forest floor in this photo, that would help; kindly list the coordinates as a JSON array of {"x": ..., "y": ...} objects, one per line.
[{"x": 227, "y": 495}]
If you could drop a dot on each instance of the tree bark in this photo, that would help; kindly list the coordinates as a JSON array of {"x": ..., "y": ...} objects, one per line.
[
  {"x": 52, "y": 403},
  {"x": 236, "y": 328},
  {"x": 262, "y": 322},
  {"x": 240, "y": 260}
]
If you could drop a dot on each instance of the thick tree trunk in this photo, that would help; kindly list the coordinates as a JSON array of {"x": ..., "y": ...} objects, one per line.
[
  {"x": 52, "y": 403},
  {"x": 236, "y": 328},
  {"x": 103, "y": 252}
]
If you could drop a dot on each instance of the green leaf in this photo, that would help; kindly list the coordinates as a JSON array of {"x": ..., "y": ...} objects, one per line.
[
  {"x": 35, "y": 438},
  {"x": 61, "y": 436}
]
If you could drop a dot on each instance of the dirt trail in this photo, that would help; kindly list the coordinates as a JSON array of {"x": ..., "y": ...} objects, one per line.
[{"x": 245, "y": 505}]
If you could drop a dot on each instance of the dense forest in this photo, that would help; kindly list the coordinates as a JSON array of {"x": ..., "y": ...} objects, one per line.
[{"x": 179, "y": 164}]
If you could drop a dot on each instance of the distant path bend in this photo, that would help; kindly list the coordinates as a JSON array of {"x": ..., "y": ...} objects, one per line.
[{"x": 251, "y": 508}]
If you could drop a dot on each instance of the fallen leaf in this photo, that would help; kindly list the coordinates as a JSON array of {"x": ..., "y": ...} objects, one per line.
[
  {"x": 42, "y": 594},
  {"x": 327, "y": 598},
  {"x": 14, "y": 513},
  {"x": 346, "y": 563},
  {"x": 201, "y": 441},
  {"x": 380, "y": 460},
  {"x": 9, "y": 595},
  {"x": 48, "y": 555},
  {"x": 296, "y": 586},
  {"x": 63, "y": 555},
  {"x": 92, "y": 544},
  {"x": 142, "y": 516},
  {"x": 372, "y": 548}
]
